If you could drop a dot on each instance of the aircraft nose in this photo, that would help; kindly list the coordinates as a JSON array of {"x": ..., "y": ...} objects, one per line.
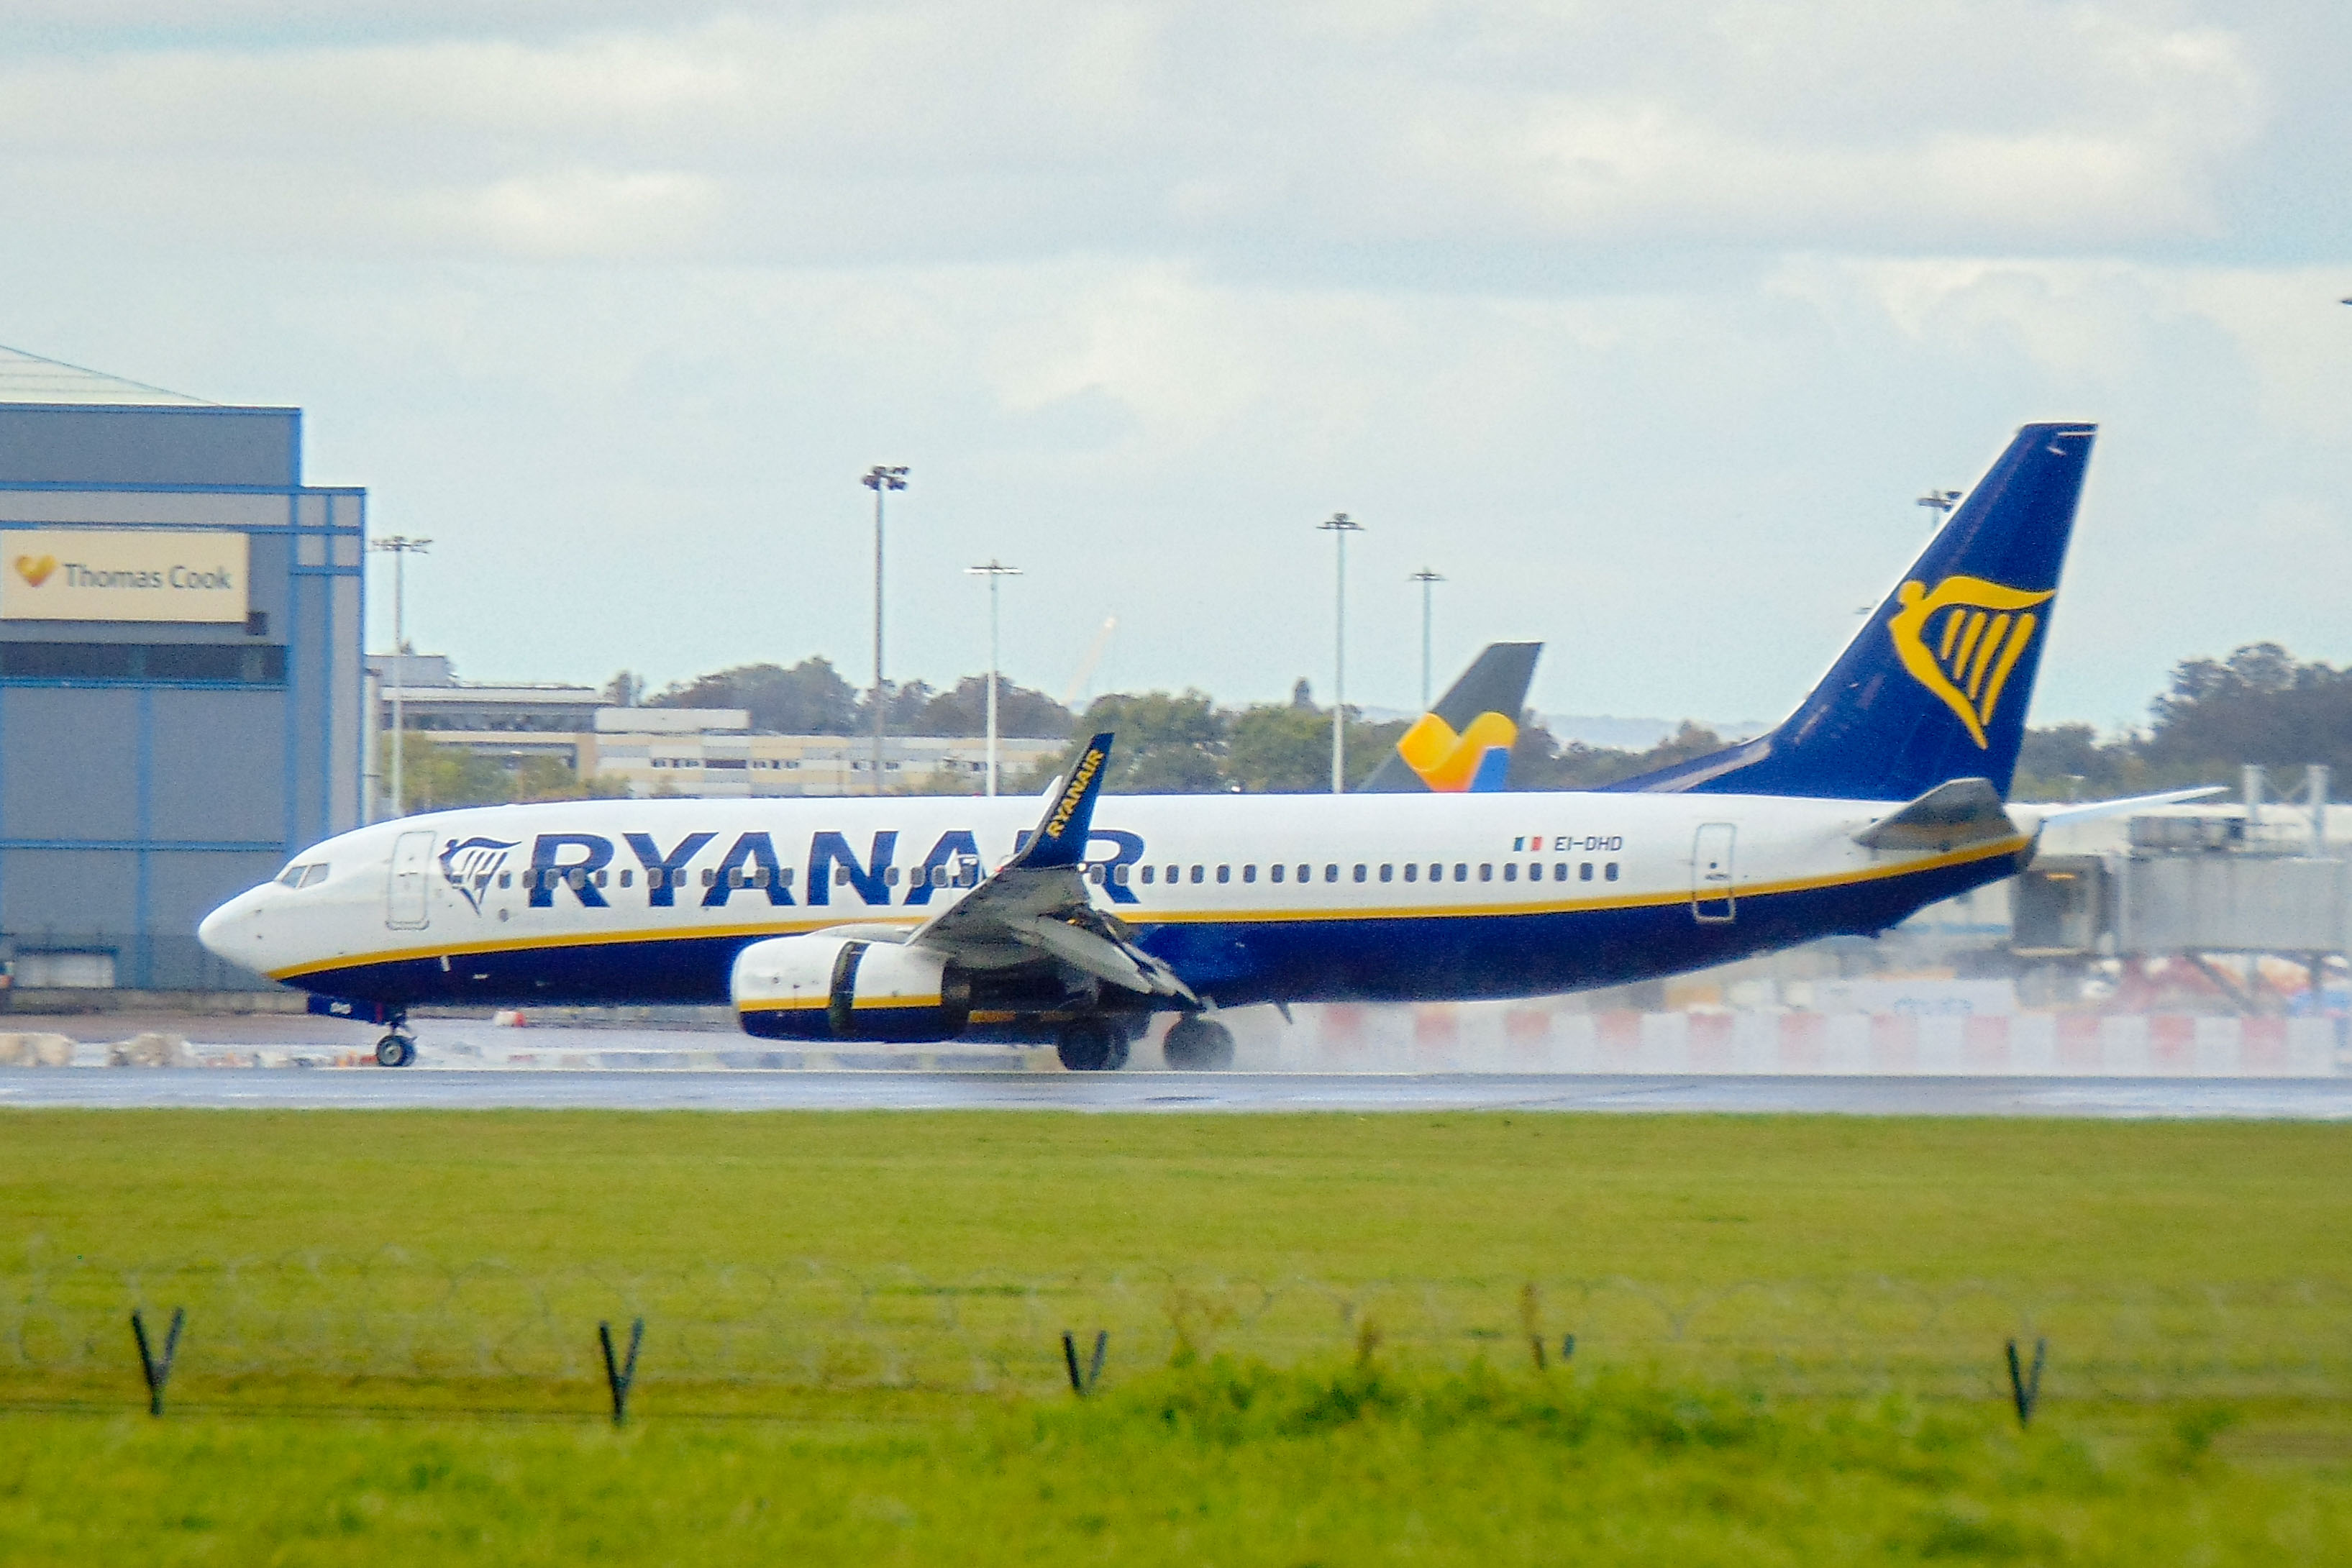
[{"x": 218, "y": 930}]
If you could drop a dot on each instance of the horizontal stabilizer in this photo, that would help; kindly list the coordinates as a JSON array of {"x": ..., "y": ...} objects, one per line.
[
  {"x": 1964, "y": 811},
  {"x": 2090, "y": 810}
]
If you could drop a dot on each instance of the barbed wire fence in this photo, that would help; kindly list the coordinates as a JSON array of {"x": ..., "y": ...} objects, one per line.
[{"x": 390, "y": 1329}]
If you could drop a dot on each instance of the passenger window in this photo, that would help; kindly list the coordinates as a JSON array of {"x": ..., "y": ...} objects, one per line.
[
  {"x": 1175, "y": 873},
  {"x": 1584, "y": 872},
  {"x": 1461, "y": 872},
  {"x": 784, "y": 878},
  {"x": 1197, "y": 872},
  {"x": 891, "y": 876},
  {"x": 1412, "y": 870},
  {"x": 1534, "y": 871},
  {"x": 1224, "y": 873},
  {"x": 1119, "y": 874},
  {"x": 1360, "y": 871},
  {"x": 1612, "y": 870},
  {"x": 1147, "y": 875},
  {"x": 735, "y": 876},
  {"x": 1511, "y": 871},
  {"x": 708, "y": 876},
  {"x": 628, "y": 877},
  {"x": 1560, "y": 871},
  {"x": 1387, "y": 873},
  {"x": 1249, "y": 873},
  {"x": 578, "y": 879},
  {"x": 506, "y": 879},
  {"x": 1095, "y": 874},
  {"x": 1486, "y": 872},
  {"x": 1273, "y": 873},
  {"x": 1305, "y": 873},
  {"x": 841, "y": 876}
]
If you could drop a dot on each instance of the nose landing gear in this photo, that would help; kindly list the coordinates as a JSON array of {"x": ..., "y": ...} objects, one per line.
[{"x": 398, "y": 1048}]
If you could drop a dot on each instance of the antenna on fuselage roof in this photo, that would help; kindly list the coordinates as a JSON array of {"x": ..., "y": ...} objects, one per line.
[{"x": 1095, "y": 651}]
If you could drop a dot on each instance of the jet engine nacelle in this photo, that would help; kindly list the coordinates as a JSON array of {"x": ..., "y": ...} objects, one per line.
[{"x": 819, "y": 987}]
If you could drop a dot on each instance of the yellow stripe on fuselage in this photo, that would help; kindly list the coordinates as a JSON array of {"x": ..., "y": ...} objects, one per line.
[{"x": 1974, "y": 853}]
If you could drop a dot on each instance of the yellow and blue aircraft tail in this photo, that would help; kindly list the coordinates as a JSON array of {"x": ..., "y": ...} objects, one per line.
[
  {"x": 1463, "y": 744},
  {"x": 1937, "y": 685}
]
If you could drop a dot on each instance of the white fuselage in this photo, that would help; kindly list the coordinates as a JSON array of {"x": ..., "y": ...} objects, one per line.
[{"x": 1248, "y": 898}]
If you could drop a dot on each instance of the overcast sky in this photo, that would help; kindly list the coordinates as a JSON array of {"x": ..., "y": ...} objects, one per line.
[{"x": 1644, "y": 324}]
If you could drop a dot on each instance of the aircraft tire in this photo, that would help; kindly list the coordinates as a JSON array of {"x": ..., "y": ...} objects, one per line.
[
  {"x": 1195, "y": 1043},
  {"x": 395, "y": 1051},
  {"x": 1090, "y": 1045}
]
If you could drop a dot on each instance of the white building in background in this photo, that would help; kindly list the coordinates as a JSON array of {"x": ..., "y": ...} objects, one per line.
[{"x": 700, "y": 751}]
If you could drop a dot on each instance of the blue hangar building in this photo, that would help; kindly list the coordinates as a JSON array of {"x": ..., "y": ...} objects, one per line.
[{"x": 182, "y": 687}]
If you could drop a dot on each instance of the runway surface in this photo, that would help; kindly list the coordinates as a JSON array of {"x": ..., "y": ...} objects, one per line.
[{"x": 2319, "y": 1099}]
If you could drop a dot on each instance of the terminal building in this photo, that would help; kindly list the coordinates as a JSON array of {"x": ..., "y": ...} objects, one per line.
[
  {"x": 710, "y": 753},
  {"x": 182, "y": 691}
]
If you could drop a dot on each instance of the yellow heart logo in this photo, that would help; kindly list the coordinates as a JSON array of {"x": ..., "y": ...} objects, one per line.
[{"x": 35, "y": 571}]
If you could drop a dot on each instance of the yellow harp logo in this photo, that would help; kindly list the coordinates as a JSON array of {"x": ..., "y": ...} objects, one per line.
[{"x": 1961, "y": 640}]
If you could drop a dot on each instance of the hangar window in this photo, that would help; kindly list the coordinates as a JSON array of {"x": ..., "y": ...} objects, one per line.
[
  {"x": 1249, "y": 873},
  {"x": 1612, "y": 870},
  {"x": 230, "y": 663},
  {"x": 1147, "y": 875},
  {"x": 1224, "y": 873},
  {"x": 1412, "y": 870}
]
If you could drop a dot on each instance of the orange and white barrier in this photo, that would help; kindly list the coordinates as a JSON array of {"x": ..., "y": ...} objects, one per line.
[{"x": 1531, "y": 1037}]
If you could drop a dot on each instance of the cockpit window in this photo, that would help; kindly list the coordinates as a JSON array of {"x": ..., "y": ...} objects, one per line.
[
  {"x": 291, "y": 876},
  {"x": 299, "y": 876},
  {"x": 314, "y": 874}
]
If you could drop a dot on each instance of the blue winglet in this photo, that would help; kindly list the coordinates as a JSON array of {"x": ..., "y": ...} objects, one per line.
[{"x": 1061, "y": 839}]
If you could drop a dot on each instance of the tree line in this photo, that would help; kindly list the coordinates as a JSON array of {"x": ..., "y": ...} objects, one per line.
[{"x": 2259, "y": 705}]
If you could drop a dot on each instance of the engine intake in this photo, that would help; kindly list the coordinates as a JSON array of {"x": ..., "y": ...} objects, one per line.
[{"x": 819, "y": 987}]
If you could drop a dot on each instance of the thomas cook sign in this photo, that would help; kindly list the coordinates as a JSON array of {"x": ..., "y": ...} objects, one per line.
[{"x": 123, "y": 574}]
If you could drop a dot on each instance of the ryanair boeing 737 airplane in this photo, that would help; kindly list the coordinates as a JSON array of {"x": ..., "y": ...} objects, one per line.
[{"x": 930, "y": 918}]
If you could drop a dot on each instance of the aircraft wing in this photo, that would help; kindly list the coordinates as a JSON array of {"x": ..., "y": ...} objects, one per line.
[{"x": 1036, "y": 904}]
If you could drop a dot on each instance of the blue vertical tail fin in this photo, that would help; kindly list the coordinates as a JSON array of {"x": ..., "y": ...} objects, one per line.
[{"x": 1937, "y": 685}]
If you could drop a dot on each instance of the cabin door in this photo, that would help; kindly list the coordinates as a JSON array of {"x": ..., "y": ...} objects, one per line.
[
  {"x": 1711, "y": 899},
  {"x": 411, "y": 868}
]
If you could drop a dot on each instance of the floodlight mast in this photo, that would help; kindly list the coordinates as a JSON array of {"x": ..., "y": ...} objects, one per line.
[
  {"x": 1426, "y": 578},
  {"x": 1940, "y": 503},
  {"x": 881, "y": 480},
  {"x": 1339, "y": 526},
  {"x": 399, "y": 547},
  {"x": 995, "y": 572}
]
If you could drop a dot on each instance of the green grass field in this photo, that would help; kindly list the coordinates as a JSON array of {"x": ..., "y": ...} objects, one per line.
[{"x": 1788, "y": 1332}]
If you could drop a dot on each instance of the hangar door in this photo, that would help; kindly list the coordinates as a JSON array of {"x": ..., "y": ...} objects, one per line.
[
  {"x": 411, "y": 862},
  {"x": 1711, "y": 899}
]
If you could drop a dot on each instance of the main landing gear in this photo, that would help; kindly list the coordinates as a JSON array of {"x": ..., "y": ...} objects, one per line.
[
  {"x": 1091, "y": 1045},
  {"x": 1195, "y": 1043},
  {"x": 397, "y": 1050}
]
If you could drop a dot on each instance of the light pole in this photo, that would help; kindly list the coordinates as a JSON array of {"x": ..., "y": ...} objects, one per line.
[
  {"x": 1940, "y": 503},
  {"x": 1425, "y": 577},
  {"x": 880, "y": 480},
  {"x": 995, "y": 571},
  {"x": 401, "y": 548},
  {"x": 1338, "y": 527}
]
